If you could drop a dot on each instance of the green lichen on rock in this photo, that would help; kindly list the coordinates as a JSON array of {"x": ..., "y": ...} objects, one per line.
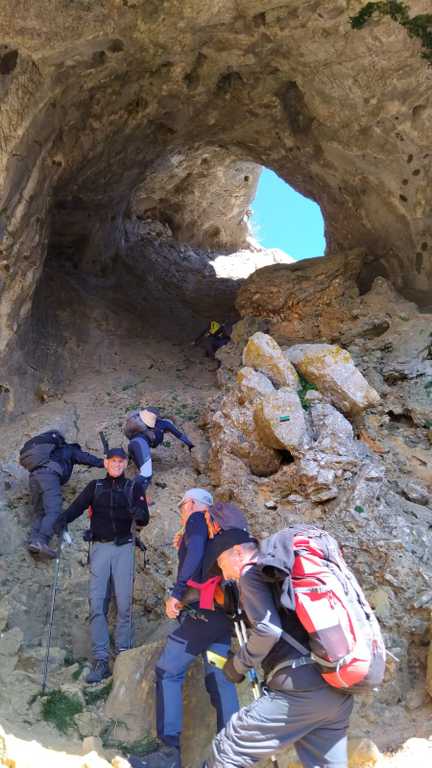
[{"x": 417, "y": 26}]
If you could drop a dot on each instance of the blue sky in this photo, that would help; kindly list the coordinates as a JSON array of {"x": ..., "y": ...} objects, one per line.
[{"x": 282, "y": 218}]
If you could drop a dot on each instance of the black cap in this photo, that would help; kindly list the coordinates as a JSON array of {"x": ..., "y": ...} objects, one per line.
[
  {"x": 221, "y": 542},
  {"x": 119, "y": 452}
]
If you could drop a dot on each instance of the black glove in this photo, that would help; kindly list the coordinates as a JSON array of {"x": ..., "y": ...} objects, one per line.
[
  {"x": 141, "y": 515},
  {"x": 59, "y": 525},
  {"x": 190, "y": 448},
  {"x": 230, "y": 672}
]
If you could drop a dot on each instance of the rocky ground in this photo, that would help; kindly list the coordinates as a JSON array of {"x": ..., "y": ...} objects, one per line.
[{"x": 353, "y": 455}]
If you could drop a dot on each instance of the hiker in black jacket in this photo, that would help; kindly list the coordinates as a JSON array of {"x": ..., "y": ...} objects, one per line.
[
  {"x": 45, "y": 483},
  {"x": 114, "y": 503}
]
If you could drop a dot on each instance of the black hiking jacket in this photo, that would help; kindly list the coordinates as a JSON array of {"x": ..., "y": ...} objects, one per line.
[
  {"x": 113, "y": 504},
  {"x": 69, "y": 455}
]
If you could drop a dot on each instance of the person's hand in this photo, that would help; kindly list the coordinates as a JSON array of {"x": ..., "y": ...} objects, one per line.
[
  {"x": 190, "y": 448},
  {"x": 173, "y": 607},
  {"x": 230, "y": 671}
]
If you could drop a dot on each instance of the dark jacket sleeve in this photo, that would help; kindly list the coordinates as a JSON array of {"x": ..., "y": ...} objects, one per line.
[
  {"x": 139, "y": 507},
  {"x": 82, "y": 457},
  {"x": 82, "y": 502},
  {"x": 169, "y": 426},
  {"x": 257, "y": 601},
  {"x": 196, "y": 537}
]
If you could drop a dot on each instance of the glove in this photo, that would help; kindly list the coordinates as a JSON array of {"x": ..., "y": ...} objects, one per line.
[
  {"x": 190, "y": 448},
  {"x": 230, "y": 671},
  {"x": 59, "y": 525},
  {"x": 140, "y": 515}
]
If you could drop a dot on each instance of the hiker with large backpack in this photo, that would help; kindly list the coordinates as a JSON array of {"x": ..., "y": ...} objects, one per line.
[
  {"x": 50, "y": 460},
  {"x": 315, "y": 637},
  {"x": 145, "y": 429},
  {"x": 202, "y": 625},
  {"x": 116, "y": 505}
]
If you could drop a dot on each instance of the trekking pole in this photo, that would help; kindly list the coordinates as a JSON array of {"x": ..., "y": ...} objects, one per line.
[
  {"x": 241, "y": 633},
  {"x": 132, "y": 581},
  {"x": 240, "y": 629},
  {"x": 64, "y": 539}
]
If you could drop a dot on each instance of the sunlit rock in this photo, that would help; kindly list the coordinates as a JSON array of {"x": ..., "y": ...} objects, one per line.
[
  {"x": 332, "y": 371},
  {"x": 264, "y": 354},
  {"x": 280, "y": 421}
]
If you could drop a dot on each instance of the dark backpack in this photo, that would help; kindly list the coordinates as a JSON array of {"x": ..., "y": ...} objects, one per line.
[
  {"x": 37, "y": 451},
  {"x": 135, "y": 427},
  {"x": 311, "y": 577},
  {"x": 223, "y": 516}
]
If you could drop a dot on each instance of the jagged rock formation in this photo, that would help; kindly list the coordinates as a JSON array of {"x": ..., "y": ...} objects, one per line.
[{"x": 365, "y": 475}]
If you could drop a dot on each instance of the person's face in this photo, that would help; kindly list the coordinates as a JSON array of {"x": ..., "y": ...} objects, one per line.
[
  {"x": 115, "y": 466},
  {"x": 230, "y": 562},
  {"x": 186, "y": 508}
]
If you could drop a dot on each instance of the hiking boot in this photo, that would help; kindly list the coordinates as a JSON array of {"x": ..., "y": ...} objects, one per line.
[
  {"x": 41, "y": 549},
  {"x": 98, "y": 672},
  {"x": 166, "y": 757}
]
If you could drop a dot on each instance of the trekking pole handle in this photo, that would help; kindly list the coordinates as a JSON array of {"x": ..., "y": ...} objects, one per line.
[{"x": 104, "y": 442}]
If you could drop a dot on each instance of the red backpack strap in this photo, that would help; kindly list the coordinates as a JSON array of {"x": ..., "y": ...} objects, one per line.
[{"x": 207, "y": 590}]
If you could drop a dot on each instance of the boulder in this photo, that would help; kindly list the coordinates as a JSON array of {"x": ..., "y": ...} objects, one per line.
[
  {"x": 331, "y": 456},
  {"x": 280, "y": 422},
  {"x": 264, "y": 354},
  {"x": 233, "y": 431},
  {"x": 132, "y": 702},
  {"x": 333, "y": 372},
  {"x": 253, "y": 384},
  {"x": 306, "y": 300}
]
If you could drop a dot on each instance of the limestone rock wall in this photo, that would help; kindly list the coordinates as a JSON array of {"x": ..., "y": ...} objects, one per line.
[
  {"x": 114, "y": 108},
  {"x": 361, "y": 468}
]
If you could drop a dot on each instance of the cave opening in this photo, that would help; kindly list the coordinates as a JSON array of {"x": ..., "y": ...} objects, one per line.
[
  {"x": 167, "y": 253},
  {"x": 284, "y": 219}
]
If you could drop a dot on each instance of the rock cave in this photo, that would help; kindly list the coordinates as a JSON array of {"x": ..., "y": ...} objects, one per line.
[{"x": 132, "y": 133}]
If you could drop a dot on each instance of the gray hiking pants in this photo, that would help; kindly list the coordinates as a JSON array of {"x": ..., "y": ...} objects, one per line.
[
  {"x": 111, "y": 569},
  {"x": 316, "y": 721},
  {"x": 47, "y": 500}
]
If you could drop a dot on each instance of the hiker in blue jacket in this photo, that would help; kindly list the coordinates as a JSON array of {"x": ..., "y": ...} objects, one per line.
[
  {"x": 197, "y": 630},
  {"x": 146, "y": 430}
]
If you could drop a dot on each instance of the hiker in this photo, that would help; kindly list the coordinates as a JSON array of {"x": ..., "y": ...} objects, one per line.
[
  {"x": 146, "y": 430},
  {"x": 50, "y": 460},
  {"x": 298, "y": 707},
  {"x": 215, "y": 335},
  {"x": 114, "y": 504},
  {"x": 198, "y": 630}
]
